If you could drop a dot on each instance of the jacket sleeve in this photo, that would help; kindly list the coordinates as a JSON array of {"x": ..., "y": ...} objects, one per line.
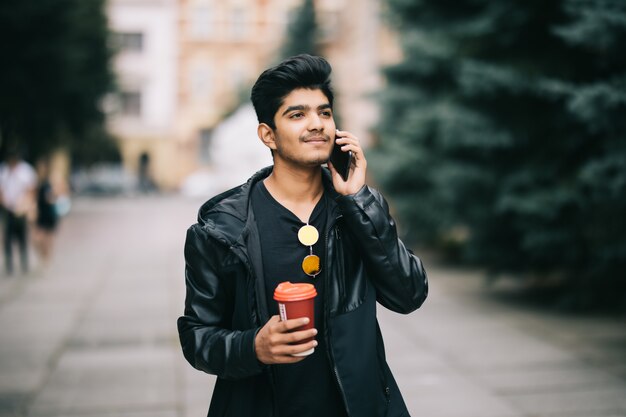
[
  {"x": 398, "y": 275},
  {"x": 208, "y": 342}
]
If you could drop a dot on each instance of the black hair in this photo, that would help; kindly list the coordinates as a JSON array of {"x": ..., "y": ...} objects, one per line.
[{"x": 274, "y": 84}]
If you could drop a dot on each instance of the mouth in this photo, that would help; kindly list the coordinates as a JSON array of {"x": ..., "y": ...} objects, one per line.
[{"x": 317, "y": 139}]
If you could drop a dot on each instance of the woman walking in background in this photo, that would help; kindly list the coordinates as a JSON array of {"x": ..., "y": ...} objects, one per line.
[{"x": 47, "y": 217}]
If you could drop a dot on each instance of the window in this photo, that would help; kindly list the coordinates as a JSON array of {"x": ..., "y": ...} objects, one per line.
[
  {"x": 200, "y": 82},
  {"x": 239, "y": 26},
  {"x": 128, "y": 41},
  {"x": 201, "y": 24},
  {"x": 130, "y": 103}
]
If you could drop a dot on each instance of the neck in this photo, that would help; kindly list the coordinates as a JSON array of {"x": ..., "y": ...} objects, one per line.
[{"x": 298, "y": 189}]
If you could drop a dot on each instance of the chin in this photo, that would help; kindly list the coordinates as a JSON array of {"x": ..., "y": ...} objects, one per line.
[
  {"x": 315, "y": 163},
  {"x": 321, "y": 160},
  {"x": 315, "y": 160}
]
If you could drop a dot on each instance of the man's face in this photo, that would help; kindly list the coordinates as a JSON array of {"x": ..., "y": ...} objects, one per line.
[{"x": 305, "y": 128}]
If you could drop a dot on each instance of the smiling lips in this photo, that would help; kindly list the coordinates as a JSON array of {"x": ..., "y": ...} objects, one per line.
[{"x": 317, "y": 139}]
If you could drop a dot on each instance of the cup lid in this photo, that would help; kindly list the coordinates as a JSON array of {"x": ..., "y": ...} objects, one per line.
[{"x": 286, "y": 291}]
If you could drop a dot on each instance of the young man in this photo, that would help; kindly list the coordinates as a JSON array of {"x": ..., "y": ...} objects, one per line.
[{"x": 246, "y": 242}]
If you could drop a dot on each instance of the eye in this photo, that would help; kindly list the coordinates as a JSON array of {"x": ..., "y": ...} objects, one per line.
[
  {"x": 297, "y": 115},
  {"x": 327, "y": 113}
]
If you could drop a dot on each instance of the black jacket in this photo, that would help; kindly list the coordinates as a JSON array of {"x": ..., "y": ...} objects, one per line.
[{"x": 225, "y": 303}]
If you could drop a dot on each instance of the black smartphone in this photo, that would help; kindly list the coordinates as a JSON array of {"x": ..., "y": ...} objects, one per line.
[{"x": 341, "y": 161}]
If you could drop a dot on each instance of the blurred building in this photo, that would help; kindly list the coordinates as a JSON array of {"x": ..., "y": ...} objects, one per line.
[
  {"x": 223, "y": 46},
  {"x": 184, "y": 65},
  {"x": 143, "y": 114}
]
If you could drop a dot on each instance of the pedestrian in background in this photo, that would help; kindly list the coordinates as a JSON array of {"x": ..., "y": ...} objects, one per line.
[
  {"x": 17, "y": 188},
  {"x": 47, "y": 215},
  {"x": 297, "y": 221}
]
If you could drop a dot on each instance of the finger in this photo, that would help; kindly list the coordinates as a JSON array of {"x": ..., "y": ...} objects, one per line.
[
  {"x": 350, "y": 145},
  {"x": 292, "y": 338},
  {"x": 285, "y": 359},
  {"x": 296, "y": 349},
  {"x": 295, "y": 337},
  {"x": 287, "y": 350},
  {"x": 343, "y": 134},
  {"x": 289, "y": 325},
  {"x": 339, "y": 134},
  {"x": 357, "y": 151},
  {"x": 347, "y": 139}
]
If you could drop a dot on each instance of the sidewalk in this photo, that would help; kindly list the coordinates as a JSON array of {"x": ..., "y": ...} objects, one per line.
[
  {"x": 466, "y": 353},
  {"x": 95, "y": 334}
]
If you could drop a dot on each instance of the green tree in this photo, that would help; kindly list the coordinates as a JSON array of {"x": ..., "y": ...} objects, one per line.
[
  {"x": 302, "y": 32},
  {"x": 502, "y": 136},
  {"x": 55, "y": 70}
]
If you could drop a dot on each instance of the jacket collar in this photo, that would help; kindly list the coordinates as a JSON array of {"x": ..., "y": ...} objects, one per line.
[{"x": 226, "y": 214}]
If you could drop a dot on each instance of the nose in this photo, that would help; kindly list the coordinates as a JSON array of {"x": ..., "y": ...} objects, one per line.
[{"x": 315, "y": 122}]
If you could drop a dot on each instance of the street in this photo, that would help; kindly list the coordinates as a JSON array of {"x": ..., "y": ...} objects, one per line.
[{"x": 94, "y": 334}]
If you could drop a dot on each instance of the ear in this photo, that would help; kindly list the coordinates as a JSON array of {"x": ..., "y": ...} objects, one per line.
[{"x": 266, "y": 134}]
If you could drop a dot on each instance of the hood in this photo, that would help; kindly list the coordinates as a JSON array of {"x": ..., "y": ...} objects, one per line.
[{"x": 226, "y": 214}]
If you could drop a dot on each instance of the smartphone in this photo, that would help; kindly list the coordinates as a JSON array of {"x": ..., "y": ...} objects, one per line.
[{"x": 341, "y": 161}]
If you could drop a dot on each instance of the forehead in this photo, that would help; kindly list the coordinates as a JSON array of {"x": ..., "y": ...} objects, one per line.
[{"x": 304, "y": 97}]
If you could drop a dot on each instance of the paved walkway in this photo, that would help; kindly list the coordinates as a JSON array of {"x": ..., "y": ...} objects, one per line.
[{"x": 94, "y": 335}]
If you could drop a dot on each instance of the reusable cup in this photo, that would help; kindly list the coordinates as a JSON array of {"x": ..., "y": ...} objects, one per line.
[{"x": 296, "y": 301}]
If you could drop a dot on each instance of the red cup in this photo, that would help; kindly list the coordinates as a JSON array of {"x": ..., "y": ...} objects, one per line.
[{"x": 296, "y": 301}]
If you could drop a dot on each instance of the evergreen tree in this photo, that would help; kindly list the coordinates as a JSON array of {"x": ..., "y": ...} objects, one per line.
[
  {"x": 503, "y": 132},
  {"x": 55, "y": 70},
  {"x": 301, "y": 36}
]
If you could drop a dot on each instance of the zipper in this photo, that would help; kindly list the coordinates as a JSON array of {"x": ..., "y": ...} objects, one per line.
[
  {"x": 329, "y": 353},
  {"x": 341, "y": 284},
  {"x": 341, "y": 390}
]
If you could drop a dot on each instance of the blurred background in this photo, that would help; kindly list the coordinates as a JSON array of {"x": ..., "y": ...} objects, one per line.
[{"x": 497, "y": 130}]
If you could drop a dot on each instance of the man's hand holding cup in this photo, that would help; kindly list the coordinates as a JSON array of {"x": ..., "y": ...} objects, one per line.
[{"x": 289, "y": 338}]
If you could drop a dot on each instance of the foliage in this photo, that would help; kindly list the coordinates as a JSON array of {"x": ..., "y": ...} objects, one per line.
[
  {"x": 302, "y": 32},
  {"x": 55, "y": 70},
  {"x": 503, "y": 135},
  {"x": 97, "y": 147}
]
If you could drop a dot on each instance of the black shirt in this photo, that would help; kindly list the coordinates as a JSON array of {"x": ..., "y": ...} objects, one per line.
[
  {"x": 306, "y": 388},
  {"x": 46, "y": 214}
]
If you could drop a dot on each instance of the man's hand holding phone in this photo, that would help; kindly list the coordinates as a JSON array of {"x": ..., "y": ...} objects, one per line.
[{"x": 347, "y": 142}]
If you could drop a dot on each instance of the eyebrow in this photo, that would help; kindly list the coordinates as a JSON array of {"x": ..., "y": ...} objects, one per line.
[{"x": 302, "y": 107}]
